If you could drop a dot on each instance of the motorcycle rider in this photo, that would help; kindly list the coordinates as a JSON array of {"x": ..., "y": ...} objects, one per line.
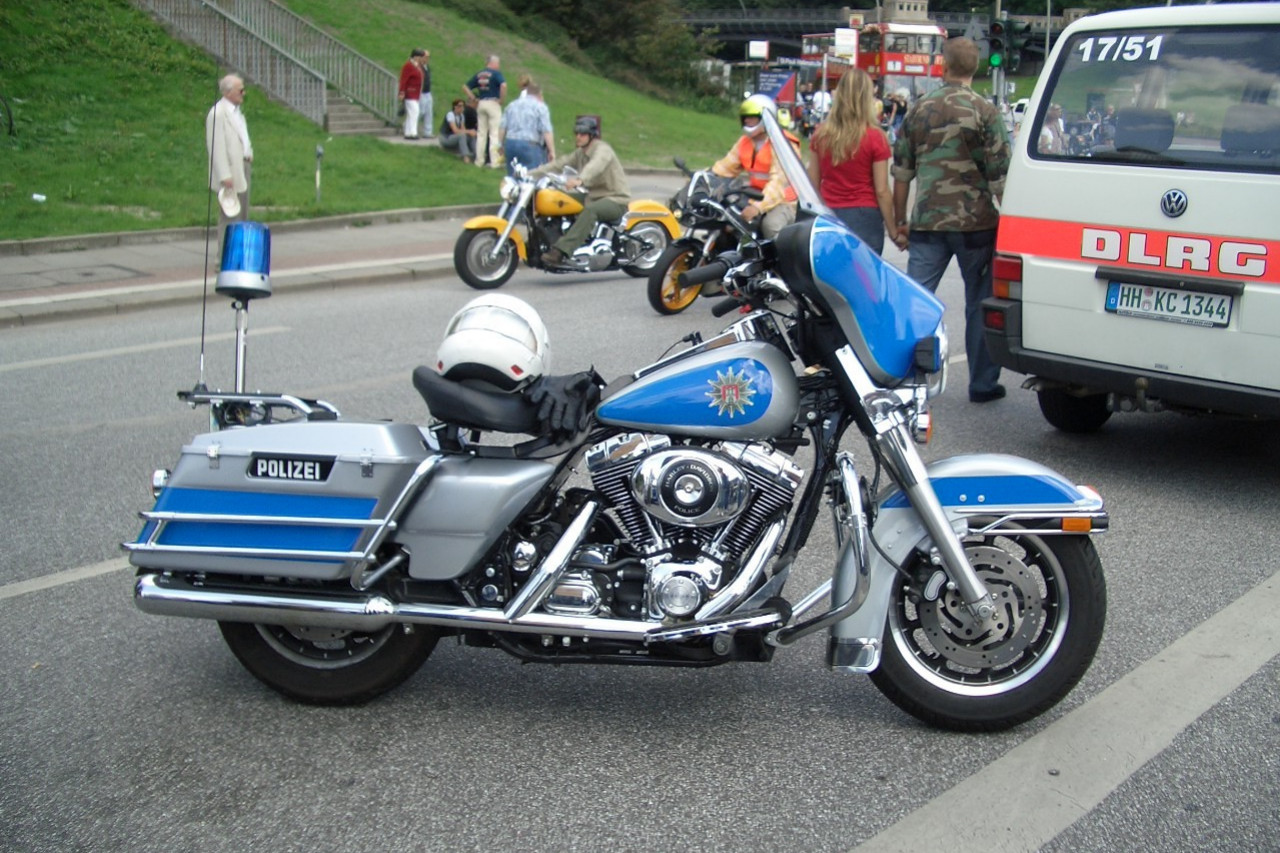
[
  {"x": 600, "y": 172},
  {"x": 753, "y": 154}
]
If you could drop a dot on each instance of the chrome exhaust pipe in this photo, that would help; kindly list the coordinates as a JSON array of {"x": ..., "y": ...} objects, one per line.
[{"x": 170, "y": 595}]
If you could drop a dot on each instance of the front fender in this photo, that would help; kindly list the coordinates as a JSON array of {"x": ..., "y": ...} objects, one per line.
[
  {"x": 489, "y": 222},
  {"x": 993, "y": 487},
  {"x": 651, "y": 211}
]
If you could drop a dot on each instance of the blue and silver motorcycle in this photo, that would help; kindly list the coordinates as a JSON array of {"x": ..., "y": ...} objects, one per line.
[{"x": 654, "y": 520}]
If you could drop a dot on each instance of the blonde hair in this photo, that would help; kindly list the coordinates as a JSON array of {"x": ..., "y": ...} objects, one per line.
[{"x": 853, "y": 113}]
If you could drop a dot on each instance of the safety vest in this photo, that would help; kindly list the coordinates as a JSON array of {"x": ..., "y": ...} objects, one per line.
[{"x": 757, "y": 162}]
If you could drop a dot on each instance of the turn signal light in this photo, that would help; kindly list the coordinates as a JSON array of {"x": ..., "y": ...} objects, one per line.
[
  {"x": 1076, "y": 525},
  {"x": 1006, "y": 274}
]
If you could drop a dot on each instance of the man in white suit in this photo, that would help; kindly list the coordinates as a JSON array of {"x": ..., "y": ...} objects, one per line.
[{"x": 226, "y": 137}]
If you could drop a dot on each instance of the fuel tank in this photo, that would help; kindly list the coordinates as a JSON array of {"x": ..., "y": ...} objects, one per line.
[
  {"x": 552, "y": 202},
  {"x": 739, "y": 392}
]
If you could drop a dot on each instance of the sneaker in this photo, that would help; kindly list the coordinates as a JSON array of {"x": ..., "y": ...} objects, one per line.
[
  {"x": 553, "y": 257},
  {"x": 995, "y": 393}
]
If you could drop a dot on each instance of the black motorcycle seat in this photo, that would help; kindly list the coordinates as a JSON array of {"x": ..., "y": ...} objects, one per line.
[{"x": 473, "y": 407}]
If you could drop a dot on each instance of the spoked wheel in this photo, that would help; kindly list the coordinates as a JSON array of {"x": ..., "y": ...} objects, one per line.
[
  {"x": 665, "y": 293},
  {"x": 481, "y": 263},
  {"x": 942, "y": 667},
  {"x": 644, "y": 261},
  {"x": 329, "y": 666}
]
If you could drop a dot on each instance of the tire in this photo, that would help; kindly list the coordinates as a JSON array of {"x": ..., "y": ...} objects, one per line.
[
  {"x": 324, "y": 666},
  {"x": 654, "y": 234},
  {"x": 1051, "y": 608},
  {"x": 1071, "y": 413},
  {"x": 666, "y": 296},
  {"x": 472, "y": 265}
]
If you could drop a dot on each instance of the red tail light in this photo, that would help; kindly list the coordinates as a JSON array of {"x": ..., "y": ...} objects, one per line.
[
  {"x": 1006, "y": 274},
  {"x": 994, "y": 319}
]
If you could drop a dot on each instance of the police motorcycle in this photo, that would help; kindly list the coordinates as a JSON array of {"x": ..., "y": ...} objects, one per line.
[
  {"x": 653, "y": 520},
  {"x": 709, "y": 208},
  {"x": 535, "y": 212}
]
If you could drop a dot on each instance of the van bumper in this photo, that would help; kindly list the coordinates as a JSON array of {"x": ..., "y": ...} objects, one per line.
[{"x": 1002, "y": 325}]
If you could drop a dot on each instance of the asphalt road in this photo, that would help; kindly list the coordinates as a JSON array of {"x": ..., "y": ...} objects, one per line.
[{"x": 120, "y": 730}]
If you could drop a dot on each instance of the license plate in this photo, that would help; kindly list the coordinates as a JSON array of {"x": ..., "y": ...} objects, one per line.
[{"x": 1175, "y": 306}]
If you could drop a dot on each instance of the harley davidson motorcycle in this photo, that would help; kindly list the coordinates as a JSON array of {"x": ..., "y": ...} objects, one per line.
[
  {"x": 709, "y": 208},
  {"x": 535, "y": 212},
  {"x": 654, "y": 520}
]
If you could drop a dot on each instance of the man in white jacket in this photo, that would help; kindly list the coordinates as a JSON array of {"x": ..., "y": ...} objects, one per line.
[{"x": 226, "y": 137}]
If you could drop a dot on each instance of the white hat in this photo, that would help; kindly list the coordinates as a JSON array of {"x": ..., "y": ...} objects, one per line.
[{"x": 229, "y": 201}]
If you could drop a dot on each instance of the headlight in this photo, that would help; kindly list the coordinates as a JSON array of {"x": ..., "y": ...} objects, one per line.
[{"x": 509, "y": 189}]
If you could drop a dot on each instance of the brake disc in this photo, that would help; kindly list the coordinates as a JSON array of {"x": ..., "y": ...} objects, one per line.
[{"x": 965, "y": 641}]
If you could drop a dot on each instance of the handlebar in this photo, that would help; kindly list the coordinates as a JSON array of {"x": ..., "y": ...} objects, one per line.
[
  {"x": 724, "y": 306},
  {"x": 712, "y": 271}
]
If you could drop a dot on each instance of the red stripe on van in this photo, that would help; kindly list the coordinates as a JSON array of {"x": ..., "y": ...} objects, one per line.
[{"x": 1169, "y": 252}]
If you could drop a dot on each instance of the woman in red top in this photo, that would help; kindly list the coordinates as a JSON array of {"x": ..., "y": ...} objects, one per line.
[{"x": 849, "y": 162}]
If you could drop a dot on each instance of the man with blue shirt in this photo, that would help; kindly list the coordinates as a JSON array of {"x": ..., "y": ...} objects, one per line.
[
  {"x": 490, "y": 88},
  {"x": 526, "y": 131}
]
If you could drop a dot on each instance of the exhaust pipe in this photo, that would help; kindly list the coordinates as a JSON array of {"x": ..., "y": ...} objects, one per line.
[{"x": 170, "y": 595}]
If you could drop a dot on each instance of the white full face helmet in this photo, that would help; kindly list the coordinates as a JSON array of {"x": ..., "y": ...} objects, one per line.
[{"x": 495, "y": 339}]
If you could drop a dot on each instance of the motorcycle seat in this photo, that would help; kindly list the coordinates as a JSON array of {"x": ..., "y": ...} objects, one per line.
[{"x": 471, "y": 406}]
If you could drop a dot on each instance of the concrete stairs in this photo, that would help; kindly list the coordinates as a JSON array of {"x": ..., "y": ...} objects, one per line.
[{"x": 349, "y": 119}]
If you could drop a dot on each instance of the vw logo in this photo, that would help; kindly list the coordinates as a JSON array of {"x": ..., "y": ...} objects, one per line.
[{"x": 1173, "y": 203}]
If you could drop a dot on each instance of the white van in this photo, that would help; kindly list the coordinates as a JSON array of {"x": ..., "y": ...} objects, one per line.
[{"x": 1138, "y": 255}]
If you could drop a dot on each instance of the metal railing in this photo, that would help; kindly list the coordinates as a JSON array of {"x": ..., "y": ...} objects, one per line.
[
  {"x": 350, "y": 72},
  {"x": 281, "y": 75}
]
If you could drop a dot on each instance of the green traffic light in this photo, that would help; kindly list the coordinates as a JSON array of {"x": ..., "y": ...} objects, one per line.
[{"x": 996, "y": 60}]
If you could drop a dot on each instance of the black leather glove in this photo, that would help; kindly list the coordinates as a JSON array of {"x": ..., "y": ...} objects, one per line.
[{"x": 565, "y": 403}]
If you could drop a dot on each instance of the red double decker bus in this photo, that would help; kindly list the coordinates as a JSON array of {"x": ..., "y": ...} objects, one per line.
[{"x": 898, "y": 56}]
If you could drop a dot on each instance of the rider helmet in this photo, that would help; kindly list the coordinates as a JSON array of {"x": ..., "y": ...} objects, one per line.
[
  {"x": 589, "y": 125},
  {"x": 755, "y": 107},
  {"x": 496, "y": 339}
]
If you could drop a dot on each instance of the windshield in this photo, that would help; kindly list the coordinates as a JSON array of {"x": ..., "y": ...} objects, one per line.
[
  {"x": 786, "y": 156},
  {"x": 1197, "y": 97}
]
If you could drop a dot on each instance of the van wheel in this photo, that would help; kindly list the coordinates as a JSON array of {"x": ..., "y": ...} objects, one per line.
[{"x": 1071, "y": 413}]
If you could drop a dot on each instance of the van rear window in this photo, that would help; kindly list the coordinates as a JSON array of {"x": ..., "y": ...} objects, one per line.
[{"x": 1194, "y": 97}]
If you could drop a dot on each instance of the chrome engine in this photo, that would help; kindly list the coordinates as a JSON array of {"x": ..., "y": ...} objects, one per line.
[{"x": 693, "y": 514}]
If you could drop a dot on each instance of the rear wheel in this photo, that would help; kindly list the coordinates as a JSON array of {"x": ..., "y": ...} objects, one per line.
[
  {"x": 1072, "y": 413},
  {"x": 329, "y": 666},
  {"x": 481, "y": 262},
  {"x": 942, "y": 666},
  {"x": 645, "y": 260},
  {"x": 666, "y": 296}
]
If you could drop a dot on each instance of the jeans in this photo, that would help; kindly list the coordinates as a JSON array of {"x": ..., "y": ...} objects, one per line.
[
  {"x": 459, "y": 142},
  {"x": 530, "y": 154},
  {"x": 930, "y": 253},
  {"x": 867, "y": 223}
]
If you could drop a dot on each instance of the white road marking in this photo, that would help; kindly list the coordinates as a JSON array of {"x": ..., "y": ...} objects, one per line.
[
  {"x": 1047, "y": 782},
  {"x": 13, "y": 590},
  {"x": 131, "y": 350}
]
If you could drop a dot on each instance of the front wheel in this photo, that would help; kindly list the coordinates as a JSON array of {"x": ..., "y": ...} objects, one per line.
[
  {"x": 481, "y": 262},
  {"x": 942, "y": 667},
  {"x": 642, "y": 262},
  {"x": 329, "y": 666},
  {"x": 666, "y": 296}
]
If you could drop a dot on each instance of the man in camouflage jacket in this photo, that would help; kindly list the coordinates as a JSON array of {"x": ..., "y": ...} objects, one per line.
[{"x": 953, "y": 143}]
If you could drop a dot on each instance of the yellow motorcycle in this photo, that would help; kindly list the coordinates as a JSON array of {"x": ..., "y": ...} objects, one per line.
[{"x": 535, "y": 212}]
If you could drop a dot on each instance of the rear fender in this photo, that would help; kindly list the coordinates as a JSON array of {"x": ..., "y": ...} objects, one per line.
[
  {"x": 651, "y": 211},
  {"x": 489, "y": 222},
  {"x": 980, "y": 493}
]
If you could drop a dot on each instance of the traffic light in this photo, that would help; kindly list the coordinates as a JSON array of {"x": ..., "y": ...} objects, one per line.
[
  {"x": 1018, "y": 33},
  {"x": 996, "y": 42}
]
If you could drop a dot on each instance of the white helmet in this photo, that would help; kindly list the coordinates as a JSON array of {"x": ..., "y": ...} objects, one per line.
[{"x": 497, "y": 339}]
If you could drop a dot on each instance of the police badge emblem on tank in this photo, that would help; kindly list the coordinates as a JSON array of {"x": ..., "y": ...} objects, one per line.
[
  {"x": 312, "y": 469},
  {"x": 731, "y": 393}
]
